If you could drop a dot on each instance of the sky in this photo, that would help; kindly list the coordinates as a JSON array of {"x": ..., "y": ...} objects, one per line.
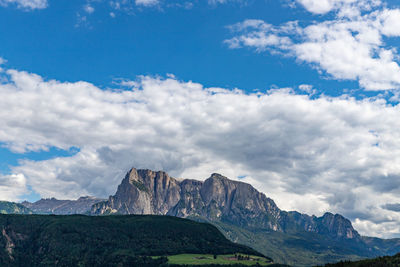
[{"x": 299, "y": 98}]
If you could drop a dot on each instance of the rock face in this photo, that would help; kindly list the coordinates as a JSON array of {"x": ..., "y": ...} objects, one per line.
[
  {"x": 336, "y": 226},
  {"x": 142, "y": 192},
  {"x": 62, "y": 207},
  {"x": 217, "y": 199}
]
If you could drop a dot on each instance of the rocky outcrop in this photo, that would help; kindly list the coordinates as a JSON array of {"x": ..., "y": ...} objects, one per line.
[
  {"x": 62, "y": 207},
  {"x": 336, "y": 226},
  {"x": 9, "y": 244},
  {"x": 216, "y": 199},
  {"x": 142, "y": 192}
]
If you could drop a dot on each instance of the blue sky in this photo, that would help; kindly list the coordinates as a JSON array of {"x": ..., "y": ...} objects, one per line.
[
  {"x": 151, "y": 41},
  {"x": 297, "y": 97}
]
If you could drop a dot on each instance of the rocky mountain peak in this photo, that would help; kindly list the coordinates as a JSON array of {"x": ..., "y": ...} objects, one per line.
[
  {"x": 218, "y": 176},
  {"x": 148, "y": 178},
  {"x": 142, "y": 191},
  {"x": 338, "y": 226}
]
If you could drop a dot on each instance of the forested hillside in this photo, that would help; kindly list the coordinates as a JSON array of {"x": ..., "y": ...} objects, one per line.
[{"x": 76, "y": 240}]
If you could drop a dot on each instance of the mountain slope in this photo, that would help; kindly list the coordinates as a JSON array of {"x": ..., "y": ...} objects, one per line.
[
  {"x": 243, "y": 214},
  {"x": 13, "y": 208},
  {"x": 76, "y": 240},
  {"x": 297, "y": 248},
  {"x": 62, "y": 207},
  {"x": 384, "y": 246}
]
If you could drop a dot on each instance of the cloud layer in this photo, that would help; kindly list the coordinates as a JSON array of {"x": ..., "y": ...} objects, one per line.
[
  {"x": 309, "y": 154},
  {"x": 350, "y": 47}
]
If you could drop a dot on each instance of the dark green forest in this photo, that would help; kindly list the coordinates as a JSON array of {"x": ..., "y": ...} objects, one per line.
[
  {"x": 388, "y": 261},
  {"x": 77, "y": 240}
]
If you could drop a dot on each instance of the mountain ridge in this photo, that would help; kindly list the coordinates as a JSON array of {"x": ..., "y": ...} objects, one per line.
[
  {"x": 216, "y": 198},
  {"x": 55, "y": 206}
]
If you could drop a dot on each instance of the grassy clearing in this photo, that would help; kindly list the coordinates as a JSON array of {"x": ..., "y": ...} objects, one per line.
[{"x": 229, "y": 259}]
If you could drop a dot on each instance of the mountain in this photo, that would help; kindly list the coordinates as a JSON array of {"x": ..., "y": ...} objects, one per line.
[
  {"x": 244, "y": 215},
  {"x": 77, "y": 240},
  {"x": 215, "y": 199},
  {"x": 62, "y": 207},
  {"x": 13, "y": 208}
]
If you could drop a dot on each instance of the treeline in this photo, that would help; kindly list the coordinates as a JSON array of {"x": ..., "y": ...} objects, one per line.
[
  {"x": 231, "y": 265},
  {"x": 388, "y": 261}
]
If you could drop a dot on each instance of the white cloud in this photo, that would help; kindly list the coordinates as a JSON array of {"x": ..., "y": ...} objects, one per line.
[
  {"x": 215, "y": 2},
  {"x": 26, "y": 4},
  {"x": 147, "y": 2},
  {"x": 261, "y": 35},
  {"x": 390, "y": 22},
  {"x": 345, "y": 7},
  {"x": 308, "y": 88},
  {"x": 344, "y": 154},
  {"x": 346, "y": 48},
  {"x": 88, "y": 9},
  {"x": 317, "y": 6},
  {"x": 125, "y": 5},
  {"x": 12, "y": 187}
]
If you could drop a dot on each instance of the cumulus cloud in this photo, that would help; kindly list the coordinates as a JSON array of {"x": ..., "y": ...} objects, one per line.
[
  {"x": 349, "y": 47},
  {"x": 26, "y": 4},
  {"x": 88, "y": 9},
  {"x": 342, "y": 153},
  {"x": 345, "y": 7}
]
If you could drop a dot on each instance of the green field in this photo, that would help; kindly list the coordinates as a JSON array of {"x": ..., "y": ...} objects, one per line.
[{"x": 228, "y": 259}]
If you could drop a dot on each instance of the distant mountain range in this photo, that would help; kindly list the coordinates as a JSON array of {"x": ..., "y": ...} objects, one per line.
[
  {"x": 13, "y": 208},
  {"x": 62, "y": 207},
  {"x": 240, "y": 212}
]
